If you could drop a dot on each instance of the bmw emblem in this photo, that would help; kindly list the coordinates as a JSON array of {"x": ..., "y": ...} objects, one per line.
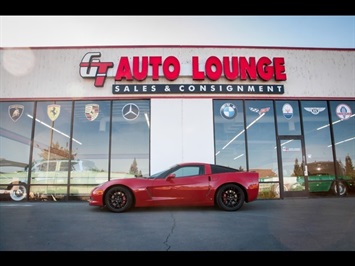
[{"x": 228, "y": 111}]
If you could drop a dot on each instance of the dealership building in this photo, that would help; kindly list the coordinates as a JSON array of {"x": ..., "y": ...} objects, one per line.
[{"x": 74, "y": 117}]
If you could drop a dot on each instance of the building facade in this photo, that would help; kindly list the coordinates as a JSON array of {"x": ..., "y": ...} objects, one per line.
[{"x": 73, "y": 117}]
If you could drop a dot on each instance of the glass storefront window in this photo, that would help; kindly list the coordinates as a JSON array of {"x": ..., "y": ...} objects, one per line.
[
  {"x": 15, "y": 124},
  {"x": 16, "y": 120},
  {"x": 316, "y": 131},
  {"x": 130, "y": 138},
  {"x": 229, "y": 133},
  {"x": 90, "y": 151},
  {"x": 318, "y": 146},
  {"x": 288, "y": 118},
  {"x": 91, "y": 134},
  {"x": 261, "y": 145},
  {"x": 78, "y": 144},
  {"x": 343, "y": 124},
  {"x": 51, "y": 145}
]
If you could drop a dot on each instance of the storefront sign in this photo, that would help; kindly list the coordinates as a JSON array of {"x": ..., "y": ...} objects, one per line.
[{"x": 140, "y": 68}]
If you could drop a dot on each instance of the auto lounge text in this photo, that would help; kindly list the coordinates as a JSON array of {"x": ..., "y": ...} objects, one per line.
[{"x": 140, "y": 68}]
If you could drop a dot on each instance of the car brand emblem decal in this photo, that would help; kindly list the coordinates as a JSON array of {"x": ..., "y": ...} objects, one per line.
[
  {"x": 53, "y": 111},
  {"x": 343, "y": 111},
  {"x": 15, "y": 111},
  {"x": 314, "y": 110},
  {"x": 287, "y": 111},
  {"x": 130, "y": 111},
  {"x": 228, "y": 111},
  {"x": 260, "y": 111},
  {"x": 91, "y": 111}
]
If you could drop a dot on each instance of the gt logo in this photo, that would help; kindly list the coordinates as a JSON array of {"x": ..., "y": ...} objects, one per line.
[{"x": 91, "y": 67}]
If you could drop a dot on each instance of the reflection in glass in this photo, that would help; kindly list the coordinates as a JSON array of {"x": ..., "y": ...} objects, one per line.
[
  {"x": 344, "y": 129},
  {"x": 317, "y": 141},
  {"x": 65, "y": 166},
  {"x": 343, "y": 124},
  {"x": 15, "y": 141},
  {"x": 130, "y": 138},
  {"x": 262, "y": 155},
  {"x": 47, "y": 193},
  {"x": 316, "y": 136},
  {"x": 15, "y": 132},
  {"x": 292, "y": 165},
  {"x": 51, "y": 142},
  {"x": 288, "y": 118},
  {"x": 91, "y": 152},
  {"x": 229, "y": 133}
]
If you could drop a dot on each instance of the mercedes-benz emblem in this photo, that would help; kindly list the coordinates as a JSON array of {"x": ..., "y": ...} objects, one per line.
[{"x": 130, "y": 111}]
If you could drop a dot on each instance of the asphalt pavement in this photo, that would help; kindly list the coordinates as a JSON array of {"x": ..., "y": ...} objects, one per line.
[{"x": 295, "y": 224}]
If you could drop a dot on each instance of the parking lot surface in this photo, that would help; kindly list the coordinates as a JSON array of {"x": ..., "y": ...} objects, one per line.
[{"x": 295, "y": 224}]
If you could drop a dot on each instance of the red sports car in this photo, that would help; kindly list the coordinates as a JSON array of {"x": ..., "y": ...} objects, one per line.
[{"x": 185, "y": 184}]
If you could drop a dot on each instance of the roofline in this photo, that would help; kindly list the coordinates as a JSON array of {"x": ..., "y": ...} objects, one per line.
[{"x": 179, "y": 46}]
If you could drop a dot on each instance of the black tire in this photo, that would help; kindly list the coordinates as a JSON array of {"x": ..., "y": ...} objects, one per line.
[
  {"x": 118, "y": 199},
  {"x": 18, "y": 192},
  {"x": 343, "y": 189},
  {"x": 230, "y": 197}
]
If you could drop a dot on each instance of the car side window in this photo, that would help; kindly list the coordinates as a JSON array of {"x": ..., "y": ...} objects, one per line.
[
  {"x": 45, "y": 166},
  {"x": 187, "y": 171},
  {"x": 222, "y": 169},
  {"x": 64, "y": 166},
  {"x": 75, "y": 166},
  {"x": 52, "y": 166}
]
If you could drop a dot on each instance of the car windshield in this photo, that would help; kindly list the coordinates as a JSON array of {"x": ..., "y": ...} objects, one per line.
[{"x": 163, "y": 173}]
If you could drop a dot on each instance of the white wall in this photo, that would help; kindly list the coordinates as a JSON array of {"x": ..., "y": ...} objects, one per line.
[{"x": 181, "y": 131}]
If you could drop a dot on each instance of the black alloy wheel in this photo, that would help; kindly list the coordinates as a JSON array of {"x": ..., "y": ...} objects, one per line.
[
  {"x": 230, "y": 197},
  {"x": 118, "y": 199}
]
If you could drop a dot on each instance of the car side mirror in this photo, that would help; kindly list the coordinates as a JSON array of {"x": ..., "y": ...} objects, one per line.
[{"x": 170, "y": 177}]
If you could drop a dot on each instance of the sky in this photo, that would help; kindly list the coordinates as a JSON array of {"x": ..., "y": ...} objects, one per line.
[{"x": 261, "y": 31}]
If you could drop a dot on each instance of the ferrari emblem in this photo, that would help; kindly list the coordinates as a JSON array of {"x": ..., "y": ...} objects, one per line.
[
  {"x": 15, "y": 111},
  {"x": 53, "y": 111},
  {"x": 91, "y": 111}
]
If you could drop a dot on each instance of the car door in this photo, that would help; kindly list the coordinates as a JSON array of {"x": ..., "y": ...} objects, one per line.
[{"x": 183, "y": 186}]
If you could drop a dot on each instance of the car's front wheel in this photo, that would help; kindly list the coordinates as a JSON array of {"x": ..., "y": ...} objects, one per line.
[
  {"x": 230, "y": 197},
  {"x": 118, "y": 199},
  {"x": 18, "y": 192}
]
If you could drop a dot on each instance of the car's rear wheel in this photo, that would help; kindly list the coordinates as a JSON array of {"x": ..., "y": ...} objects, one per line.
[
  {"x": 118, "y": 199},
  {"x": 343, "y": 189},
  {"x": 230, "y": 197}
]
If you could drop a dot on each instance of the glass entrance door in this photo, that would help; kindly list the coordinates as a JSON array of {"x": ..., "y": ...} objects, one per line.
[{"x": 293, "y": 182}]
